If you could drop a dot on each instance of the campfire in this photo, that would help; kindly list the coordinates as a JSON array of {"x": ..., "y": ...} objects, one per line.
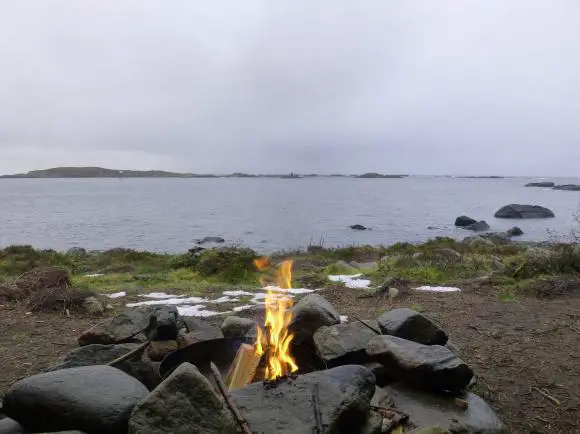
[{"x": 272, "y": 346}]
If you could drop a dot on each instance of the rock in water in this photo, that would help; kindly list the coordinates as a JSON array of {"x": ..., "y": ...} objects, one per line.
[
  {"x": 463, "y": 221},
  {"x": 207, "y": 240},
  {"x": 95, "y": 399},
  {"x": 442, "y": 411},
  {"x": 118, "y": 329},
  {"x": 433, "y": 368},
  {"x": 185, "y": 403},
  {"x": 309, "y": 314},
  {"x": 514, "y": 232},
  {"x": 237, "y": 327},
  {"x": 90, "y": 355},
  {"x": 568, "y": 187},
  {"x": 478, "y": 226},
  {"x": 540, "y": 184},
  {"x": 358, "y": 227},
  {"x": 344, "y": 396},
  {"x": 411, "y": 325},
  {"x": 515, "y": 211},
  {"x": 344, "y": 343}
]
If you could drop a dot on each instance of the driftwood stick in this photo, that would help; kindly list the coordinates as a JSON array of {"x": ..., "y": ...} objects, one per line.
[
  {"x": 366, "y": 325},
  {"x": 224, "y": 391},
  {"x": 130, "y": 354},
  {"x": 319, "y": 428},
  {"x": 547, "y": 395}
]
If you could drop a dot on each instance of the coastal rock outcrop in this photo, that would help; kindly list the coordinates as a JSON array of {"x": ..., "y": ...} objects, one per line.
[
  {"x": 540, "y": 184},
  {"x": 516, "y": 211}
]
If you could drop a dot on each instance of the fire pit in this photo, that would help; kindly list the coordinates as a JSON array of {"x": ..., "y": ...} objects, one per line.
[{"x": 270, "y": 356}]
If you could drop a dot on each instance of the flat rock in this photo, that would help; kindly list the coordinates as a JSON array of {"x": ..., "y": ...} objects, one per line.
[
  {"x": 411, "y": 325},
  {"x": 237, "y": 327},
  {"x": 515, "y": 211},
  {"x": 427, "y": 410},
  {"x": 184, "y": 403},
  {"x": 344, "y": 343},
  {"x": 429, "y": 367},
  {"x": 90, "y": 355},
  {"x": 344, "y": 396},
  {"x": 463, "y": 221},
  {"x": 201, "y": 330},
  {"x": 479, "y": 226},
  {"x": 309, "y": 314},
  {"x": 96, "y": 399},
  {"x": 119, "y": 329}
]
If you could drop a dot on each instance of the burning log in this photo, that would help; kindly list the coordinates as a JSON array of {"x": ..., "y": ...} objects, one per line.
[{"x": 243, "y": 368}]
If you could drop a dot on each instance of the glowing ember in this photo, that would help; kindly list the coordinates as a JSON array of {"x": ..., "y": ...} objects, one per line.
[{"x": 275, "y": 343}]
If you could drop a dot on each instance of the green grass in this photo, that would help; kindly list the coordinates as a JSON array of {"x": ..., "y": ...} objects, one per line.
[{"x": 438, "y": 261}]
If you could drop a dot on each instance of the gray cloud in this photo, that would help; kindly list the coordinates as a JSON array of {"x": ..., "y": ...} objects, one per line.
[{"x": 328, "y": 86}]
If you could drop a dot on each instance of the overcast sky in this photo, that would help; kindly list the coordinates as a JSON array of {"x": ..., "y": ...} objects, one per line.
[{"x": 422, "y": 87}]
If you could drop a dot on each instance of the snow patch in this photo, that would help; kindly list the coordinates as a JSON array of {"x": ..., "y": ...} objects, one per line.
[
  {"x": 243, "y": 307},
  {"x": 289, "y": 290},
  {"x": 237, "y": 293},
  {"x": 169, "y": 301},
  {"x": 224, "y": 299},
  {"x": 94, "y": 275},
  {"x": 160, "y": 295},
  {"x": 343, "y": 318},
  {"x": 351, "y": 280},
  {"x": 116, "y": 294},
  {"x": 438, "y": 289},
  {"x": 197, "y": 310}
]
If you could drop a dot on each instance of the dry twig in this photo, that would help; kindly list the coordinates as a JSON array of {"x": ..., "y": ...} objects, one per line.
[
  {"x": 224, "y": 391},
  {"x": 319, "y": 428},
  {"x": 130, "y": 354},
  {"x": 547, "y": 395},
  {"x": 366, "y": 325}
]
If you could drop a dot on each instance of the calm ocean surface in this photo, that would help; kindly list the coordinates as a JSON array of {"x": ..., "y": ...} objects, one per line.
[{"x": 265, "y": 214}]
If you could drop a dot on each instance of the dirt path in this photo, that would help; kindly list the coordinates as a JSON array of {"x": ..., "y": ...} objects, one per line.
[{"x": 516, "y": 348}]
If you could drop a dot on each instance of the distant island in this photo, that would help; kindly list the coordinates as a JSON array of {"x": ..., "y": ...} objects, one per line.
[
  {"x": 99, "y": 172},
  {"x": 378, "y": 175}
]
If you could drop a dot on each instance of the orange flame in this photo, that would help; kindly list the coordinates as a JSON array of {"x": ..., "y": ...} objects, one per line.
[{"x": 278, "y": 316}]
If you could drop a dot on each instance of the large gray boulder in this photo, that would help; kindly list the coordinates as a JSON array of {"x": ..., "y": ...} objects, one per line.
[
  {"x": 344, "y": 343},
  {"x": 185, "y": 403},
  {"x": 429, "y": 367},
  {"x": 309, "y": 314},
  {"x": 10, "y": 426},
  {"x": 515, "y": 211},
  {"x": 119, "y": 329},
  {"x": 443, "y": 411},
  {"x": 344, "y": 396},
  {"x": 411, "y": 325},
  {"x": 95, "y": 399},
  {"x": 237, "y": 327},
  {"x": 90, "y": 355}
]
